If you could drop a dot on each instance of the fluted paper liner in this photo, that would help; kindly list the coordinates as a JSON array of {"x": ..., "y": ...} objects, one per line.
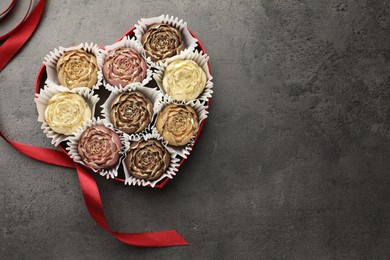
[
  {"x": 152, "y": 94},
  {"x": 201, "y": 59},
  {"x": 131, "y": 43},
  {"x": 51, "y": 61},
  {"x": 72, "y": 148},
  {"x": 201, "y": 111},
  {"x": 190, "y": 42},
  {"x": 169, "y": 173},
  {"x": 42, "y": 100}
]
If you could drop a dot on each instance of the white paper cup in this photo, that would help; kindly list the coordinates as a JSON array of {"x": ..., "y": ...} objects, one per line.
[
  {"x": 72, "y": 148},
  {"x": 198, "y": 57},
  {"x": 169, "y": 173},
  {"x": 50, "y": 61},
  {"x": 42, "y": 99},
  {"x": 126, "y": 42}
]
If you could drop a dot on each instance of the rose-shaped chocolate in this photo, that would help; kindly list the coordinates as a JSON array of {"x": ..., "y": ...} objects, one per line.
[
  {"x": 131, "y": 112},
  {"x": 177, "y": 124},
  {"x": 123, "y": 66},
  {"x": 184, "y": 80},
  {"x": 77, "y": 69},
  {"x": 147, "y": 160},
  {"x": 66, "y": 112},
  {"x": 162, "y": 41},
  {"x": 99, "y": 147}
]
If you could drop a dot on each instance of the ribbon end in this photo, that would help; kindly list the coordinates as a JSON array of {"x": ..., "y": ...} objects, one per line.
[{"x": 178, "y": 239}]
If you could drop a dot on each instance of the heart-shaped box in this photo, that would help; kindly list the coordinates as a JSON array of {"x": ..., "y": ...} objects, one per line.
[{"x": 42, "y": 76}]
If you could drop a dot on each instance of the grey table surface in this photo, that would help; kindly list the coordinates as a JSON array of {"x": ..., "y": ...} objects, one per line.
[{"x": 293, "y": 162}]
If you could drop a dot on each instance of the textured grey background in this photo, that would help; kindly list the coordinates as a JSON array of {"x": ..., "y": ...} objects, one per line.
[{"x": 293, "y": 162}]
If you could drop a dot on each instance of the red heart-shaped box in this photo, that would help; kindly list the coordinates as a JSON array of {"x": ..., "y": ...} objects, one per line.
[{"x": 41, "y": 77}]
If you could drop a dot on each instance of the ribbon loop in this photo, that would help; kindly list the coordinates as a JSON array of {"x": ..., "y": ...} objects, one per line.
[
  {"x": 7, "y": 9},
  {"x": 19, "y": 35}
]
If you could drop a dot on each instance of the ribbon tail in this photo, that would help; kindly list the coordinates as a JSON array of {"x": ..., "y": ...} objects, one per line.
[
  {"x": 152, "y": 239},
  {"x": 15, "y": 41},
  {"x": 92, "y": 199},
  {"x": 95, "y": 208},
  {"x": 46, "y": 155}
]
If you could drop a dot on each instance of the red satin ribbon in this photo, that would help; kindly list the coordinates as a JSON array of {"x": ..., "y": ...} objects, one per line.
[
  {"x": 5, "y": 36},
  {"x": 42, "y": 154},
  {"x": 88, "y": 185},
  {"x": 92, "y": 199},
  {"x": 7, "y": 9},
  {"x": 18, "y": 36}
]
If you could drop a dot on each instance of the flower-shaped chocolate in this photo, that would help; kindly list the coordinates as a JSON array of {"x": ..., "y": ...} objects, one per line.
[
  {"x": 124, "y": 66},
  {"x": 77, "y": 69},
  {"x": 131, "y": 112},
  {"x": 99, "y": 147},
  {"x": 66, "y": 112},
  {"x": 177, "y": 124},
  {"x": 184, "y": 80},
  {"x": 162, "y": 41},
  {"x": 147, "y": 159}
]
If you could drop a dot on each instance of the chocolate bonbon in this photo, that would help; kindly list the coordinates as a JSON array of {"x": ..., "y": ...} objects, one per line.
[
  {"x": 162, "y": 41},
  {"x": 99, "y": 147},
  {"x": 147, "y": 160},
  {"x": 131, "y": 112},
  {"x": 65, "y": 112},
  {"x": 184, "y": 80},
  {"x": 177, "y": 124},
  {"x": 123, "y": 66},
  {"x": 77, "y": 68}
]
